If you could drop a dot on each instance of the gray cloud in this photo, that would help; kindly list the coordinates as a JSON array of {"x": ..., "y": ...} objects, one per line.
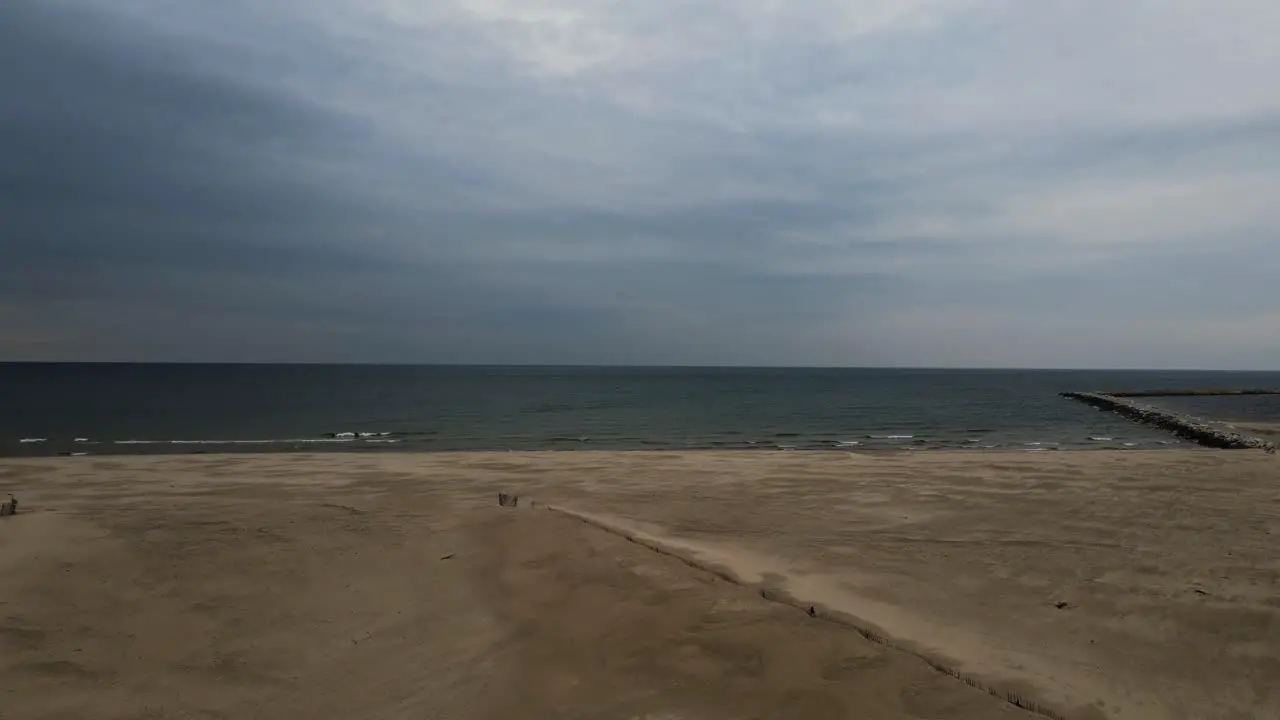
[{"x": 931, "y": 183}]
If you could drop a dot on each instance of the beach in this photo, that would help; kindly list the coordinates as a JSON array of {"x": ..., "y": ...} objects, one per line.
[{"x": 1087, "y": 584}]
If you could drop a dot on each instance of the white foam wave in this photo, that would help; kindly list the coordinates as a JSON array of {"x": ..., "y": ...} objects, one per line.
[
  {"x": 891, "y": 437},
  {"x": 81, "y": 439},
  {"x": 847, "y": 443},
  {"x": 1101, "y": 439},
  {"x": 351, "y": 434},
  {"x": 33, "y": 440},
  {"x": 218, "y": 442},
  {"x": 1131, "y": 444},
  {"x": 236, "y": 442}
]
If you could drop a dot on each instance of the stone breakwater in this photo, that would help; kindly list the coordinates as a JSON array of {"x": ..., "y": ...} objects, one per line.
[
  {"x": 1200, "y": 392},
  {"x": 1210, "y": 435}
]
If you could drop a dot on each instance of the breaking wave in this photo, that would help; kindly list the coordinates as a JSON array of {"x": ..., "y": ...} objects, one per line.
[
  {"x": 233, "y": 442},
  {"x": 349, "y": 435}
]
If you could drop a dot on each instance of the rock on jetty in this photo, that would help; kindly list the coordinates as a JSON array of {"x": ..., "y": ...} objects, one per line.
[{"x": 1215, "y": 436}]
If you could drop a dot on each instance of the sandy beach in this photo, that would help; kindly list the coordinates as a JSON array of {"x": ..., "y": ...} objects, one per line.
[{"x": 1097, "y": 584}]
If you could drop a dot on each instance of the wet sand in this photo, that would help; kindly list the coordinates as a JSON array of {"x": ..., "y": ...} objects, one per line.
[
  {"x": 1266, "y": 431},
  {"x": 1125, "y": 585}
]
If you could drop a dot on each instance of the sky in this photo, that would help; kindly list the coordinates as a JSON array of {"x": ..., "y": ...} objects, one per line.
[{"x": 939, "y": 183}]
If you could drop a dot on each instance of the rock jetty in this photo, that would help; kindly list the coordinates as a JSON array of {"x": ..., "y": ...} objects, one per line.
[
  {"x": 1197, "y": 392},
  {"x": 1210, "y": 435}
]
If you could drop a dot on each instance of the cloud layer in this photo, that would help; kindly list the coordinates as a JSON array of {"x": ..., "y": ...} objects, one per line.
[{"x": 926, "y": 182}]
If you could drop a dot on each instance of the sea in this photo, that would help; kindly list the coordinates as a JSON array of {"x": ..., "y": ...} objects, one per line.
[{"x": 99, "y": 409}]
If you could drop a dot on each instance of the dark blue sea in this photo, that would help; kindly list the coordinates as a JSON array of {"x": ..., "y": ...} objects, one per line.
[{"x": 51, "y": 409}]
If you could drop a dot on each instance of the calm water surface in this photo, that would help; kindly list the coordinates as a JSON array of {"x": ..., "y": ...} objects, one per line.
[{"x": 48, "y": 409}]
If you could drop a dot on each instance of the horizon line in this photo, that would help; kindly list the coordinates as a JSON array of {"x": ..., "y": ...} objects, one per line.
[{"x": 307, "y": 363}]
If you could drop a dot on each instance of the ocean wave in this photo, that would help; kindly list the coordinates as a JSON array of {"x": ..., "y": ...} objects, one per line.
[
  {"x": 235, "y": 442},
  {"x": 372, "y": 441},
  {"x": 353, "y": 434}
]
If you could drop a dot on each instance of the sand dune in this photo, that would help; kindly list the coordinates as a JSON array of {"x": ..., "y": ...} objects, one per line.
[{"x": 393, "y": 586}]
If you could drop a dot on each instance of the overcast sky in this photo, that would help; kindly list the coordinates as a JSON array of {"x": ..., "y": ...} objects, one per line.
[{"x": 1059, "y": 183}]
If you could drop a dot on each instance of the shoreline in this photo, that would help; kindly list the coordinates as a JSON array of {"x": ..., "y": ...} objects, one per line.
[{"x": 1099, "y": 446}]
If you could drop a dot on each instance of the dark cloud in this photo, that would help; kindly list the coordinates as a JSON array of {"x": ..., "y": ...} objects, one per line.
[
  {"x": 165, "y": 211},
  {"x": 453, "y": 182},
  {"x": 131, "y": 178}
]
